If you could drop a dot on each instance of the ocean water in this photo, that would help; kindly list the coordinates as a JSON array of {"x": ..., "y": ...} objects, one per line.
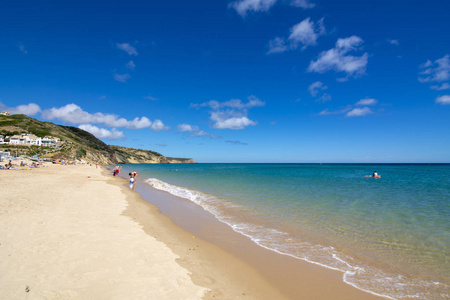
[{"x": 389, "y": 236}]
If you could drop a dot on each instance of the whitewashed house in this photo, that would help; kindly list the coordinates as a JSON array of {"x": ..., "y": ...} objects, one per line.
[
  {"x": 49, "y": 141},
  {"x": 17, "y": 140},
  {"x": 31, "y": 139}
]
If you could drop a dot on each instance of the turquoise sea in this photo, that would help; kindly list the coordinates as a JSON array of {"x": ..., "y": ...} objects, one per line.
[{"x": 389, "y": 236}]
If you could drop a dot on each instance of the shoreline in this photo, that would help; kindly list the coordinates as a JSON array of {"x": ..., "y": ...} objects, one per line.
[
  {"x": 292, "y": 276},
  {"x": 76, "y": 232}
]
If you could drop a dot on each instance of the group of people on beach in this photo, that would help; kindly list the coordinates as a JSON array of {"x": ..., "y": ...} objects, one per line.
[
  {"x": 11, "y": 166},
  {"x": 133, "y": 175},
  {"x": 116, "y": 170}
]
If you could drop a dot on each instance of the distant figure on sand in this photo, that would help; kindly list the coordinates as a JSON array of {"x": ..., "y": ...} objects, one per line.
[{"x": 116, "y": 170}]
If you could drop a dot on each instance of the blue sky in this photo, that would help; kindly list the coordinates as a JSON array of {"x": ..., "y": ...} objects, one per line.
[{"x": 237, "y": 81}]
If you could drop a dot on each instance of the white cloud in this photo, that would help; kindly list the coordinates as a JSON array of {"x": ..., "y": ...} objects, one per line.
[
  {"x": 326, "y": 112},
  {"x": 393, "y": 42},
  {"x": 185, "y": 127},
  {"x": 102, "y": 133},
  {"x": 277, "y": 45},
  {"x": 367, "y": 101},
  {"x": 302, "y": 3},
  {"x": 304, "y": 33},
  {"x": 359, "y": 112},
  {"x": 73, "y": 114},
  {"x": 158, "y": 125},
  {"x": 444, "y": 86},
  {"x": 315, "y": 87},
  {"x": 231, "y": 114},
  {"x": 151, "y": 98},
  {"x": 22, "y": 48},
  {"x": 233, "y": 103},
  {"x": 437, "y": 71},
  {"x": 351, "y": 111},
  {"x": 130, "y": 65},
  {"x": 443, "y": 99},
  {"x": 121, "y": 77},
  {"x": 324, "y": 98},
  {"x": 194, "y": 131},
  {"x": 339, "y": 60},
  {"x": 236, "y": 143},
  {"x": 244, "y": 6},
  {"x": 225, "y": 121},
  {"x": 26, "y": 109},
  {"x": 127, "y": 48}
]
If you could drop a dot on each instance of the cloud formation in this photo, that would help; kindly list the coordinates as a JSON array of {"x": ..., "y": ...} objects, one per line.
[
  {"x": 127, "y": 48},
  {"x": 130, "y": 65},
  {"x": 26, "y": 109},
  {"x": 121, "y": 77},
  {"x": 73, "y": 114},
  {"x": 22, "y": 48},
  {"x": 351, "y": 111},
  {"x": 236, "y": 143},
  {"x": 242, "y": 7},
  {"x": 194, "y": 131},
  {"x": 231, "y": 114},
  {"x": 444, "y": 100},
  {"x": 316, "y": 87},
  {"x": 393, "y": 42},
  {"x": 102, "y": 133},
  {"x": 437, "y": 71},
  {"x": 367, "y": 101},
  {"x": 326, "y": 112},
  {"x": 359, "y": 112},
  {"x": 302, "y": 34},
  {"x": 339, "y": 59},
  {"x": 444, "y": 86},
  {"x": 302, "y": 3}
]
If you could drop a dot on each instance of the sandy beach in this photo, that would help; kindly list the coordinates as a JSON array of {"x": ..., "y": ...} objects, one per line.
[{"x": 76, "y": 232}]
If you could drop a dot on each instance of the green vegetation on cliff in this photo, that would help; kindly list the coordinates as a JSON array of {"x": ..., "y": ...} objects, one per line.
[{"x": 76, "y": 144}]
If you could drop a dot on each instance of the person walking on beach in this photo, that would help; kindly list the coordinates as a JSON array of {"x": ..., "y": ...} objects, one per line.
[
  {"x": 116, "y": 170},
  {"x": 133, "y": 175}
]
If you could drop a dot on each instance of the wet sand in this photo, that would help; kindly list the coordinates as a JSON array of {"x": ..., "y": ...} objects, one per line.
[
  {"x": 293, "y": 278},
  {"x": 75, "y": 232}
]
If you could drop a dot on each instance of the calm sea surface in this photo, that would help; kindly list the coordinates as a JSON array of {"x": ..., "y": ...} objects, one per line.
[{"x": 389, "y": 236}]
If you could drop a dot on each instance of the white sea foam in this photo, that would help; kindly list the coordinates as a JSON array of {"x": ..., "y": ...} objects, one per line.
[{"x": 360, "y": 276}]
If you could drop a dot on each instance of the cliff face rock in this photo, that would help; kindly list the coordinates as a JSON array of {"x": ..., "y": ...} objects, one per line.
[
  {"x": 77, "y": 144},
  {"x": 172, "y": 160},
  {"x": 138, "y": 156}
]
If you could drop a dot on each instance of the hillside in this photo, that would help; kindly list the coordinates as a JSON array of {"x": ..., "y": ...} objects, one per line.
[{"x": 76, "y": 144}]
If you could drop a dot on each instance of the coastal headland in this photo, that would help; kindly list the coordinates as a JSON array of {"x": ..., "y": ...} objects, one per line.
[{"x": 76, "y": 232}]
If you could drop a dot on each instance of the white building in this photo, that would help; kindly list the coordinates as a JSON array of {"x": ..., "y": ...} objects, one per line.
[
  {"x": 31, "y": 139},
  {"x": 17, "y": 140},
  {"x": 49, "y": 141}
]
